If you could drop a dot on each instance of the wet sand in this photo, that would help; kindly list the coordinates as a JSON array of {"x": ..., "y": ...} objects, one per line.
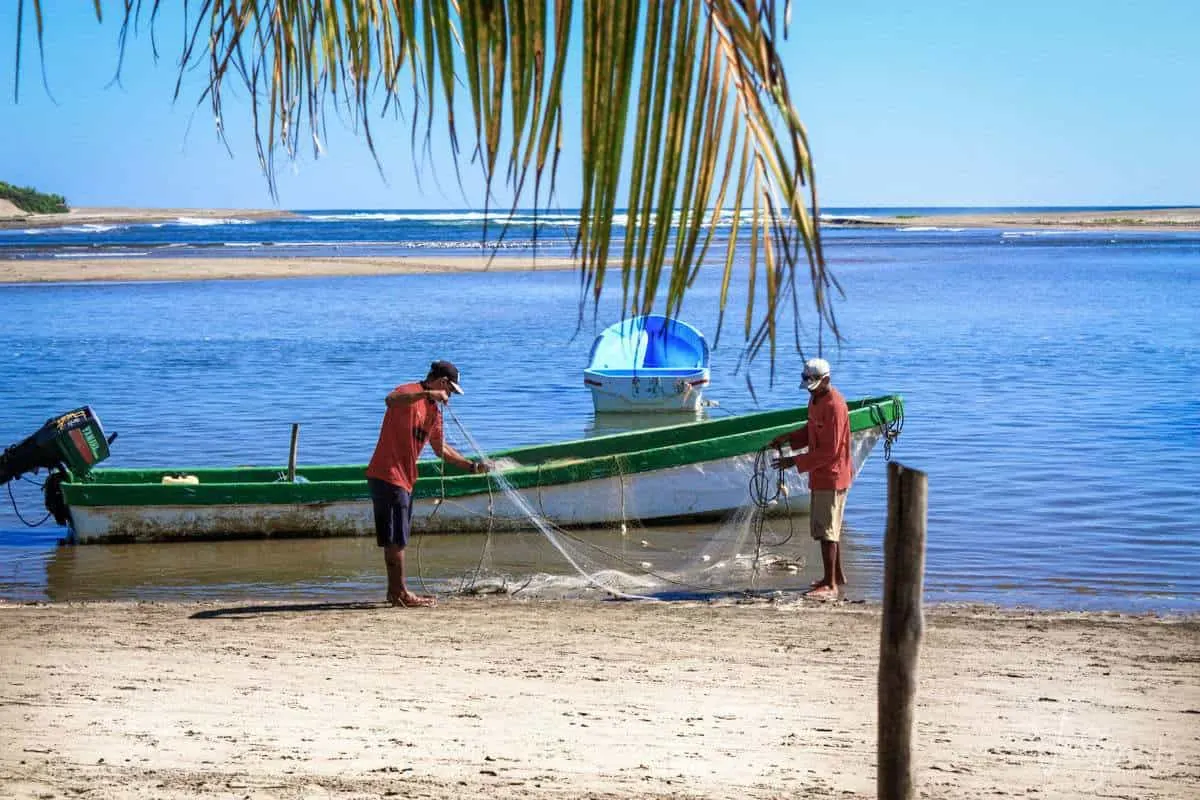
[
  {"x": 501, "y": 698},
  {"x": 200, "y": 269}
]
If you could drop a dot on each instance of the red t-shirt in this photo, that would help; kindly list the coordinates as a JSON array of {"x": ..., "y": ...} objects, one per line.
[
  {"x": 827, "y": 437},
  {"x": 402, "y": 436}
]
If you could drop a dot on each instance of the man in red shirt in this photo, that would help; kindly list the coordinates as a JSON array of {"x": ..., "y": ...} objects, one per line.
[
  {"x": 413, "y": 417},
  {"x": 830, "y": 469}
]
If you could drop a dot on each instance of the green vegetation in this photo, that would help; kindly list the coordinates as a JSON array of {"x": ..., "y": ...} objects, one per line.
[
  {"x": 33, "y": 201},
  {"x": 1127, "y": 221}
]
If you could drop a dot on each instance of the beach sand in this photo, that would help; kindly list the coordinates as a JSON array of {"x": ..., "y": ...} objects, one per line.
[
  {"x": 197, "y": 269},
  {"x": 501, "y": 698}
]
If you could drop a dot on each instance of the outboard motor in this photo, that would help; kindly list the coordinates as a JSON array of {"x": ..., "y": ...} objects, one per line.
[{"x": 72, "y": 442}]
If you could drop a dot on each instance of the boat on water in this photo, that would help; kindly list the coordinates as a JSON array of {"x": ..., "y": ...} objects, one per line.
[
  {"x": 699, "y": 470},
  {"x": 648, "y": 363}
]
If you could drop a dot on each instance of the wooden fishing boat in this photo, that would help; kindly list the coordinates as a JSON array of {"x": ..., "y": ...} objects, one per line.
[{"x": 697, "y": 470}]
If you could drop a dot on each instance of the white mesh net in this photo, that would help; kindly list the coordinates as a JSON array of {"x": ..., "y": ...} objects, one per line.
[{"x": 629, "y": 560}]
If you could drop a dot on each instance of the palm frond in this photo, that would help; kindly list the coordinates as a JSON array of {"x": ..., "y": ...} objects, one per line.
[{"x": 686, "y": 114}]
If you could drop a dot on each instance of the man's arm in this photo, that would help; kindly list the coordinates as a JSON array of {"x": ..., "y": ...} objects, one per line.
[
  {"x": 401, "y": 398},
  {"x": 819, "y": 455},
  {"x": 452, "y": 456},
  {"x": 797, "y": 439}
]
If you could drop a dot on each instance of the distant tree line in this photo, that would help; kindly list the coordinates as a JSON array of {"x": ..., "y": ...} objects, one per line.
[{"x": 33, "y": 201}]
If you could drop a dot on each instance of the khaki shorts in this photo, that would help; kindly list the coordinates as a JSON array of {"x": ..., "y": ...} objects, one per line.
[{"x": 825, "y": 518}]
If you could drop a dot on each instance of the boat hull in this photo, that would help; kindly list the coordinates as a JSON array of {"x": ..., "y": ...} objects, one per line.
[
  {"x": 646, "y": 391},
  {"x": 702, "y": 491},
  {"x": 696, "y": 470}
]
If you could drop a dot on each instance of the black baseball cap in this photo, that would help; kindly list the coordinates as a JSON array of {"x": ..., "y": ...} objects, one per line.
[{"x": 444, "y": 369}]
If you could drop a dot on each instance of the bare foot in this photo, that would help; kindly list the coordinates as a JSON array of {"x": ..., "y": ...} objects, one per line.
[
  {"x": 410, "y": 600},
  {"x": 819, "y": 582},
  {"x": 822, "y": 591}
]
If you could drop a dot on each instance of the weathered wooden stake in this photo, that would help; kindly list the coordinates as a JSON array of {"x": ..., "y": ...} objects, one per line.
[
  {"x": 291, "y": 473},
  {"x": 903, "y": 624}
]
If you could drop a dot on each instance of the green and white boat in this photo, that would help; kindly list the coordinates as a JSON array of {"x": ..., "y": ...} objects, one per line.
[{"x": 692, "y": 471}]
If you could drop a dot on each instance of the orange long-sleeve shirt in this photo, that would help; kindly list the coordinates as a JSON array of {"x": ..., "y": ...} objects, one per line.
[
  {"x": 827, "y": 437},
  {"x": 402, "y": 436}
]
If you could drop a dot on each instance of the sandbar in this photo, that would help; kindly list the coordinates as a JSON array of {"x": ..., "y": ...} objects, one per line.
[
  {"x": 1136, "y": 219},
  {"x": 199, "y": 269},
  {"x": 13, "y": 217},
  {"x": 502, "y": 698}
]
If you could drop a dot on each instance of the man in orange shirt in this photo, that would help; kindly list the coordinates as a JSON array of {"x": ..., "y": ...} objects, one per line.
[
  {"x": 413, "y": 417},
  {"x": 830, "y": 469}
]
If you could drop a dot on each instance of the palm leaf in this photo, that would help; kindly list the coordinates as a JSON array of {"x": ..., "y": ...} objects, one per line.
[{"x": 705, "y": 106}]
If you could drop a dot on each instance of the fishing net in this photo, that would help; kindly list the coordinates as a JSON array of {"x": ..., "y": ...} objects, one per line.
[{"x": 627, "y": 559}]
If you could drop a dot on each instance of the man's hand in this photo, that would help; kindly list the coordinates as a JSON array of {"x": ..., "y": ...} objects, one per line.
[
  {"x": 438, "y": 395},
  {"x": 778, "y": 442},
  {"x": 783, "y": 462},
  {"x": 480, "y": 467}
]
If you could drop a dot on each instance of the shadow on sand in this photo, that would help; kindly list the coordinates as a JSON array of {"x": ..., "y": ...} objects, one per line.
[{"x": 288, "y": 608}]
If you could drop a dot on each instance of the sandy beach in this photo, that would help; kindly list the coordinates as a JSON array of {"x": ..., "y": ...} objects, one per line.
[
  {"x": 198, "y": 269},
  {"x": 501, "y": 698}
]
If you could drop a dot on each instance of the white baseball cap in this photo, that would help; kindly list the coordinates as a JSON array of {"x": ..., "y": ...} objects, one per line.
[{"x": 814, "y": 370}]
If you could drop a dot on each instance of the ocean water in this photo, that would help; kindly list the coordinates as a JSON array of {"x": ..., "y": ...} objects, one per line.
[{"x": 1050, "y": 383}]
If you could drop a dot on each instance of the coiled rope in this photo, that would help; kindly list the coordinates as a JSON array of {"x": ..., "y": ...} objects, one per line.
[
  {"x": 890, "y": 429},
  {"x": 767, "y": 488}
]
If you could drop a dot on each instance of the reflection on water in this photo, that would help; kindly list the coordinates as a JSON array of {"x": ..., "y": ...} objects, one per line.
[
  {"x": 351, "y": 569},
  {"x": 604, "y": 424}
]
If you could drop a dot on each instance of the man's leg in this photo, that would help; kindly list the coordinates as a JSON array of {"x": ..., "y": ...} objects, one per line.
[
  {"x": 393, "y": 519},
  {"x": 829, "y": 555},
  {"x": 820, "y": 518},
  {"x": 398, "y": 593},
  {"x": 403, "y": 527},
  {"x": 837, "y": 522},
  {"x": 382, "y": 499},
  {"x": 393, "y": 559}
]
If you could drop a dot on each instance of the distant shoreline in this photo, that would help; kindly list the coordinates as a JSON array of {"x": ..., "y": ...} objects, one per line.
[
  {"x": 109, "y": 269},
  {"x": 1182, "y": 218},
  {"x": 15, "y": 218},
  {"x": 1139, "y": 219}
]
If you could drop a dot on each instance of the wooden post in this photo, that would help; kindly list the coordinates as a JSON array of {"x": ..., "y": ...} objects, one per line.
[
  {"x": 291, "y": 472},
  {"x": 903, "y": 624}
]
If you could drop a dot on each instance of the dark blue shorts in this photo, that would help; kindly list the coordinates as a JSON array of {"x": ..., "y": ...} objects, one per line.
[{"x": 393, "y": 513}]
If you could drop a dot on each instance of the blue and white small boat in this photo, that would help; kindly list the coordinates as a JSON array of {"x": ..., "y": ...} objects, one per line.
[{"x": 648, "y": 363}]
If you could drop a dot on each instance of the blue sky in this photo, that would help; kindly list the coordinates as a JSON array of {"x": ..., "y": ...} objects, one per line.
[{"x": 945, "y": 103}]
